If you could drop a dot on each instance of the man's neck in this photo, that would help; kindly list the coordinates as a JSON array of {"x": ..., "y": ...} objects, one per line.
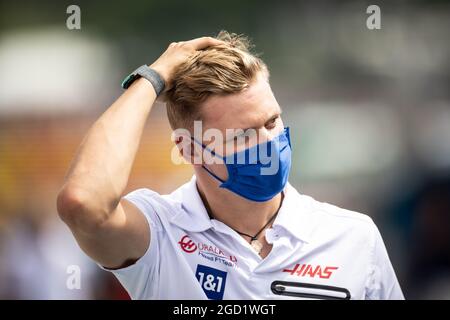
[{"x": 238, "y": 213}]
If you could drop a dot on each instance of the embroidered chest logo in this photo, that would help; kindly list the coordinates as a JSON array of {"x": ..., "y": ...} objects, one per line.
[
  {"x": 304, "y": 270},
  {"x": 207, "y": 251},
  {"x": 187, "y": 244}
]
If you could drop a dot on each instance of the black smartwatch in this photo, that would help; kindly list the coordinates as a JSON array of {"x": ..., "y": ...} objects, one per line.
[{"x": 148, "y": 73}]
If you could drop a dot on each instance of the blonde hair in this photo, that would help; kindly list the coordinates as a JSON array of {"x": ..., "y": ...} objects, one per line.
[{"x": 220, "y": 69}]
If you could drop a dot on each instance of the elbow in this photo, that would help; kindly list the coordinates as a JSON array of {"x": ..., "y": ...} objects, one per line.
[
  {"x": 76, "y": 210},
  {"x": 70, "y": 203}
]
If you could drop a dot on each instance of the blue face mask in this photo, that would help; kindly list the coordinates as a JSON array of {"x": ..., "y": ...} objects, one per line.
[{"x": 258, "y": 173}]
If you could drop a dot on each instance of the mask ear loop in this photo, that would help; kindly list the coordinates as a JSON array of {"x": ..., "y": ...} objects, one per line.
[
  {"x": 214, "y": 154},
  {"x": 288, "y": 135}
]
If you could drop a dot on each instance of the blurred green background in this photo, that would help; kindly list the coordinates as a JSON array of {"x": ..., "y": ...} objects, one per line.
[{"x": 369, "y": 112}]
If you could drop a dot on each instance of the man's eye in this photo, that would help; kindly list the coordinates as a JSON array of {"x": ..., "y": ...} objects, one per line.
[{"x": 271, "y": 123}]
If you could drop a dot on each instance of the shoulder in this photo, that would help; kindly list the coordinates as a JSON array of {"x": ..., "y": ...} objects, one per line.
[
  {"x": 330, "y": 221},
  {"x": 163, "y": 206},
  {"x": 332, "y": 213},
  {"x": 152, "y": 198},
  {"x": 156, "y": 207}
]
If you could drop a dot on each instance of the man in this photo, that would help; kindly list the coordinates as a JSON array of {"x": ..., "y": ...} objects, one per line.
[{"x": 237, "y": 230}]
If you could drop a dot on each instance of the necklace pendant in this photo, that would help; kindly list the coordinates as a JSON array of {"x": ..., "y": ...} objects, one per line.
[{"x": 256, "y": 245}]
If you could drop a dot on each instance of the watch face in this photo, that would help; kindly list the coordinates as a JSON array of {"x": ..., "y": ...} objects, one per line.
[{"x": 128, "y": 81}]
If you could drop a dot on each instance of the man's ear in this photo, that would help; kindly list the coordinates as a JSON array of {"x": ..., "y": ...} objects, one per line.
[{"x": 187, "y": 148}]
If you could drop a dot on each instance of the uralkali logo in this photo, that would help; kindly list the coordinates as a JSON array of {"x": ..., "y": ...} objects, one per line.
[{"x": 210, "y": 252}]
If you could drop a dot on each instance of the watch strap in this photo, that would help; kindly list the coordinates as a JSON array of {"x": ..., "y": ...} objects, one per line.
[{"x": 148, "y": 73}]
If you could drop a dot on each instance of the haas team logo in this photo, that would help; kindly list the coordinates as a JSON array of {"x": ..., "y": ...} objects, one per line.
[{"x": 187, "y": 244}]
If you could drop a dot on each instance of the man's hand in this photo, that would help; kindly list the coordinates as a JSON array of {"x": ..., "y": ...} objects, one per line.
[{"x": 179, "y": 52}]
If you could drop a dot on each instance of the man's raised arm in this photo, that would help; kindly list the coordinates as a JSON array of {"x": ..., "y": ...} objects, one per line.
[{"x": 109, "y": 229}]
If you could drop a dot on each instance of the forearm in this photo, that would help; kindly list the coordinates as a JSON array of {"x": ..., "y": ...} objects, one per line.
[{"x": 100, "y": 170}]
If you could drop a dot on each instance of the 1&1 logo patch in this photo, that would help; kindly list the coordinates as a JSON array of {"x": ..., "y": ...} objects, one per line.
[{"x": 212, "y": 281}]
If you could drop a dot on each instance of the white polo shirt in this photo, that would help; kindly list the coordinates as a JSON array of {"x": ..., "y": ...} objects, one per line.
[{"x": 319, "y": 251}]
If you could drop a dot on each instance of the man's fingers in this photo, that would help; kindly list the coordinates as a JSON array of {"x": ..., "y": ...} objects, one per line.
[
  {"x": 177, "y": 53},
  {"x": 203, "y": 42}
]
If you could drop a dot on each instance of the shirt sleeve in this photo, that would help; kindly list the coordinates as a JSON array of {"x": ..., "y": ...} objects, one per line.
[
  {"x": 382, "y": 283},
  {"x": 141, "y": 278}
]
